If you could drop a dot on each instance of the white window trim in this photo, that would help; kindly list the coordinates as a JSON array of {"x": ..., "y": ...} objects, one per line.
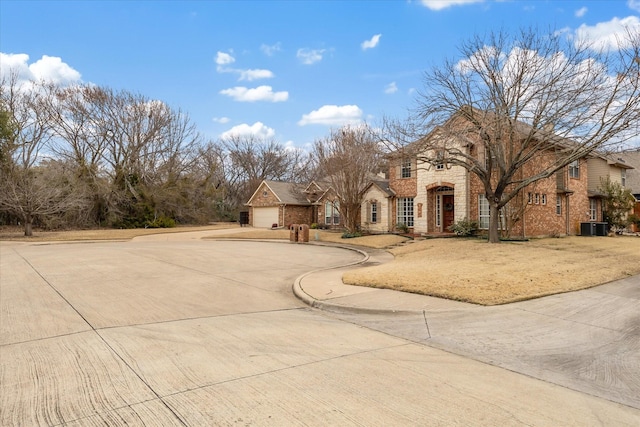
[{"x": 405, "y": 211}]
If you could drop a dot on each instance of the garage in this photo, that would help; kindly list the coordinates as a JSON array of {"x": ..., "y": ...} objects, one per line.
[{"x": 265, "y": 217}]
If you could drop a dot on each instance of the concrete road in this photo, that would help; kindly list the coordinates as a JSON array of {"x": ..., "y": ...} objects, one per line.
[{"x": 197, "y": 333}]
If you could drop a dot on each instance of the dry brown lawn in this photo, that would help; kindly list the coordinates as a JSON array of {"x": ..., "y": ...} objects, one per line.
[
  {"x": 17, "y": 233},
  {"x": 377, "y": 241},
  {"x": 460, "y": 269},
  {"x": 489, "y": 274}
]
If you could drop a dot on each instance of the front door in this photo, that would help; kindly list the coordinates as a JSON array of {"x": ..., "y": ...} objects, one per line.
[{"x": 447, "y": 212}]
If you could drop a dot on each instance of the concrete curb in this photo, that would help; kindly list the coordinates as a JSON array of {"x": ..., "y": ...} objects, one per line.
[{"x": 300, "y": 293}]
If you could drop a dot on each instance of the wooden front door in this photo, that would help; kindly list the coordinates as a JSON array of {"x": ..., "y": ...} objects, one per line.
[{"x": 447, "y": 212}]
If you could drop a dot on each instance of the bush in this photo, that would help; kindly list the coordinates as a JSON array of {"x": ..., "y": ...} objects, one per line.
[
  {"x": 161, "y": 222},
  {"x": 348, "y": 235},
  {"x": 402, "y": 228},
  {"x": 464, "y": 227},
  {"x": 314, "y": 226}
]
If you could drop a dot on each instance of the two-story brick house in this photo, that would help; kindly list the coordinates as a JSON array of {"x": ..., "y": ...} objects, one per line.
[{"x": 427, "y": 198}]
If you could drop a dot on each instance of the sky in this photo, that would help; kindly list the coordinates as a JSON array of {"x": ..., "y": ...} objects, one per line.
[{"x": 283, "y": 70}]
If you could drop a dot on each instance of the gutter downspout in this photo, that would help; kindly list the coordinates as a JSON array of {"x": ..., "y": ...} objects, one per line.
[{"x": 284, "y": 208}]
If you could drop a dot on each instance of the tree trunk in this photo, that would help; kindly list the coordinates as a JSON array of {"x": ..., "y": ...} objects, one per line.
[
  {"x": 28, "y": 225},
  {"x": 494, "y": 222}
]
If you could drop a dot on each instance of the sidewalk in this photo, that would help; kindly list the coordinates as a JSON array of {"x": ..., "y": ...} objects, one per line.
[
  {"x": 585, "y": 340},
  {"x": 324, "y": 290}
]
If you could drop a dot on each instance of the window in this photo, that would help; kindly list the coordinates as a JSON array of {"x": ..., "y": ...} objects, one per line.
[
  {"x": 558, "y": 205},
  {"x": 438, "y": 207},
  {"x": 593, "y": 210},
  {"x": 374, "y": 212},
  {"x": 483, "y": 212},
  {"x": 623, "y": 177},
  {"x": 406, "y": 168},
  {"x": 440, "y": 160},
  {"x": 543, "y": 199},
  {"x": 537, "y": 198},
  {"x": 489, "y": 157},
  {"x": 404, "y": 210},
  {"x": 332, "y": 213},
  {"x": 530, "y": 198},
  {"x": 574, "y": 169}
]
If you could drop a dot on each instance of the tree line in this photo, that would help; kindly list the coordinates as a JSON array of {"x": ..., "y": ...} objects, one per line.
[{"x": 88, "y": 156}]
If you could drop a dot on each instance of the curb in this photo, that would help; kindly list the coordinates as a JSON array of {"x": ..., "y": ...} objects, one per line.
[{"x": 300, "y": 293}]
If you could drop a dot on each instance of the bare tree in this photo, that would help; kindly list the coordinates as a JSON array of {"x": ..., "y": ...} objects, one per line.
[
  {"x": 531, "y": 102},
  {"x": 248, "y": 160},
  {"x": 347, "y": 158},
  {"x": 28, "y": 189}
]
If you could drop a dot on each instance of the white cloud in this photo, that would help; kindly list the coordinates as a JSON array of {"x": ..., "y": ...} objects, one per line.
[
  {"x": 221, "y": 120},
  {"x": 260, "y": 93},
  {"x": 47, "y": 68},
  {"x": 223, "y": 58},
  {"x": 373, "y": 42},
  {"x": 634, "y": 4},
  {"x": 581, "y": 12},
  {"x": 332, "y": 115},
  {"x": 391, "y": 88},
  {"x": 443, "y": 4},
  {"x": 251, "y": 75},
  {"x": 257, "y": 129},
  {"x": 271, "y": 50},
  {"x": 608, "y": 35},
  {"x": 51, "y": 68},
  {"x": 310, "y": 56}
]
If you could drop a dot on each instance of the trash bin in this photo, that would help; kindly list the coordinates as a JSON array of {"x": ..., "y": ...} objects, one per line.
[
  {"x": 303, "y": 233},
  {"x": 293, "y": 233},
  {"x": 244, "y": 218}
]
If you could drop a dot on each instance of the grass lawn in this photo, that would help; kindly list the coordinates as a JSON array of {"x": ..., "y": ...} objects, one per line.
[
  {"x": 489, "y": 274},
  {"x": 17, "y": 233},
  {"x": 468, "y": 270}
]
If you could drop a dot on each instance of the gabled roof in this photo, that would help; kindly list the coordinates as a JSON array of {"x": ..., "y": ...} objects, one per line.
[
  {"x": 382, "y": 185},
  {"x": 523, "y": 129},
  {"x": 287, "y": 193}
]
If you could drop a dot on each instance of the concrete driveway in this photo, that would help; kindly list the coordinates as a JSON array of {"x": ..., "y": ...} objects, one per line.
[{"x": 181, "y": 331}]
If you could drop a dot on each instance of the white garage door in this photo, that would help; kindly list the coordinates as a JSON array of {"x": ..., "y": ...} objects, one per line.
[{"x": 265, "y": 217}]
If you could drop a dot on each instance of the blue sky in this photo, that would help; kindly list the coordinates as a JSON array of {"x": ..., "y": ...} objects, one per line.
[{"x": 287, "y": 70}]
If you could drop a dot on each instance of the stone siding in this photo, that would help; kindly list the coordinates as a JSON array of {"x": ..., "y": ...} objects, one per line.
[
  {"x": 383, "y": 224},
  {"x": 429, "y": 180}
]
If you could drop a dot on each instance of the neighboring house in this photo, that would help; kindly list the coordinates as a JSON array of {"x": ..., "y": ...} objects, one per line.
[
  {"x": 601, "y": 167},
  {"x": 280, "y": 204},
  {"x": 631, "y": 178}
]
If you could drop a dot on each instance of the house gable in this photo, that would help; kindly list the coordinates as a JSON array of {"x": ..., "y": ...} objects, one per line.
[{"x": 264, "y": 196}]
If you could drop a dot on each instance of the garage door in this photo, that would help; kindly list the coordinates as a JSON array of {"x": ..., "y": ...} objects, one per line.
[{"x": 265, "y": 217}]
